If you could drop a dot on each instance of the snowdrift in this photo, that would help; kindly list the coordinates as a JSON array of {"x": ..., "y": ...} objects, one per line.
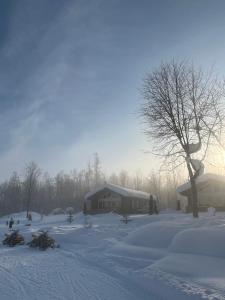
[
  {"x": 202, "y": 241},
  {"x": 155, "y": 235},
  {"x": 140, "y": 256}
]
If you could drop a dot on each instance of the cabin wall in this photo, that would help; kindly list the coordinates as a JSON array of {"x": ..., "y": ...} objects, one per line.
[
  {"x": 211, "y": 194},
  {"x": 133, "y": 205},
  {"x": 107, "y": 201},
  {"x": 104, "y": 201},
  {"x": 140, "y": 205}
]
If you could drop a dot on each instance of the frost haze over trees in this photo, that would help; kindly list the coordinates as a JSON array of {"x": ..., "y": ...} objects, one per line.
[{"x": 38, "y": 191}]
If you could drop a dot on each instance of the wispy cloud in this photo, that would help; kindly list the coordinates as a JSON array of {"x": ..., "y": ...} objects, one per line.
[{"x": 70, "y": 73}]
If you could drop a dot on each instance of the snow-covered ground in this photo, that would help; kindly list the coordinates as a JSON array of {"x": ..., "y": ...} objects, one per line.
[{"x": 168, "y": 256}]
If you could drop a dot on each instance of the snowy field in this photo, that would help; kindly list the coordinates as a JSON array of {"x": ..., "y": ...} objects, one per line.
[{"x": 168, "y": 256}]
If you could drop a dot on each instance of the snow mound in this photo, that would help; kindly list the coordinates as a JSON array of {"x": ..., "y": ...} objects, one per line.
[
  {"x": 57, "y": 211},
  {"x": 110, "y": 218},
  {"x": 155, "y": 235},
  {"x": 125, "y": 250},
  {"x": 202, "y": 241}
]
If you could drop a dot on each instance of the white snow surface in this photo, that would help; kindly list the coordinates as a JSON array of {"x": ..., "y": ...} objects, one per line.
[
  {"x": 165, "y": 256},
  {"x": 119, "y": 190}
]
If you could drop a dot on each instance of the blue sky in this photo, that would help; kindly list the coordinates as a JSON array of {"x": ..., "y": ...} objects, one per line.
[{"x": 70, "y": 73}]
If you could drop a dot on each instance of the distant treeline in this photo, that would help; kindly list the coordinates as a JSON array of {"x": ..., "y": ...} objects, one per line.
[{"x": 38, "y": 191}]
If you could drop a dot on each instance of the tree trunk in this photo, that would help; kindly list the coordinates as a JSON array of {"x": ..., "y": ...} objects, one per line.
[
  {"x": 28, "y": 207},
  {"x": 28, "y": 202},
  {"x": 194, "y": 192},
  {"x": 194, "y": 197}
]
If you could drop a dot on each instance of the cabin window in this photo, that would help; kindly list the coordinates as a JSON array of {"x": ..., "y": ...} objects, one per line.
[
  {"x": 101, "y": 204},
  {"x": 135, "y": 203},
  {"x": 140, "y": 204}
]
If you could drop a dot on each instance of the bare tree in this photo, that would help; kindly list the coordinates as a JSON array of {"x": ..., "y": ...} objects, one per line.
[
  {"x": 113, "y": 178},
  {"x": 123, "y": 178},
  {"x": 46, "y": 194},
  {"x": 138, "y": 180},
  {"x": 32, "y": 172},
  {"x": 89, "y": 176},
  {"x": 15, "y": 192},
  {"x": 97, "y": 169},
  {"x": 183, "y": 113},
  {"x": 155, "y": 183}
]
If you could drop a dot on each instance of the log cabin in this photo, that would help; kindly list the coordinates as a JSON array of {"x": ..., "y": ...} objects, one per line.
[{"x": 110, "y": 197}]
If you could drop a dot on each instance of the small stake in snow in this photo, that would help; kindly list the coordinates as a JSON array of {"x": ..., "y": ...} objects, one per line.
[
  {"x": 125, "y": 219},
  {"x": 70, "y": 217},
  {"x": 11, "y": 222}
]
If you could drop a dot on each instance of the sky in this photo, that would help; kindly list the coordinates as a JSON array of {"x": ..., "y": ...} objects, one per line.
[{"x": 71, "y": 73}]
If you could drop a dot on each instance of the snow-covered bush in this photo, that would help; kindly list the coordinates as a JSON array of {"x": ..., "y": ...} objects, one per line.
[
  {"x": 69, "y": 210},
  {"x": 57, "y": 211},
  {"x": 211, "y": 211}
]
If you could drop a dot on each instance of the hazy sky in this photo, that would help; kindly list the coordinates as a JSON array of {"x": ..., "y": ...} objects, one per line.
[{"x": 70, "y": 73}]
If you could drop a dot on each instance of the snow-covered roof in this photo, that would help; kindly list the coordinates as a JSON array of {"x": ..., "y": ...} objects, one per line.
[
  {"x": 201, "y": 179},
  {"x": 119, "y": 190}
]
